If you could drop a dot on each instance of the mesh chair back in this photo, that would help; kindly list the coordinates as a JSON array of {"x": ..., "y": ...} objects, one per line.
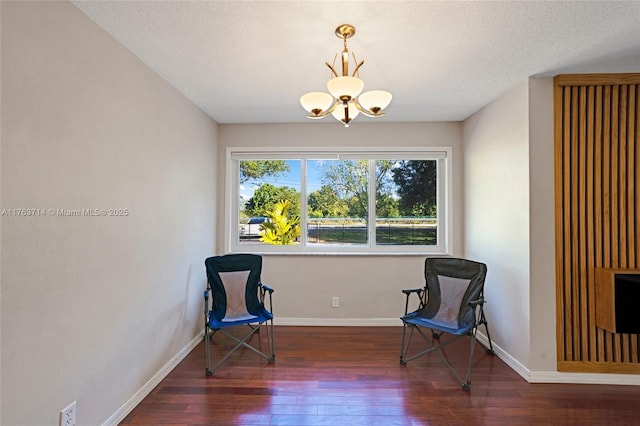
[
  {"x": 452, "y": 284},
  {"x": 234, "y": 280}
]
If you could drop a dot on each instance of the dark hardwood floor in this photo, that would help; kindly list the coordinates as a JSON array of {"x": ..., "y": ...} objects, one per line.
[{"x": 349, "y": 376}]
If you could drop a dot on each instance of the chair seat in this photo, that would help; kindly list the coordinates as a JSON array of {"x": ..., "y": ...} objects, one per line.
[
  {"x": 247, "y": 319},
  {"x": 448, "y": 327}
]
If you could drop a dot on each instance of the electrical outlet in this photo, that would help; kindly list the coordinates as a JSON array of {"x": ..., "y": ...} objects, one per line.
[
  {"x": 335, "y": 302},
  {"x": 68, "y": 415}
]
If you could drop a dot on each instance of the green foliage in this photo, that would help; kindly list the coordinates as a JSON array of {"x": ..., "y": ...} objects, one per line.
[
  {"x": 282, "y": 228},
  {"x": 386, "y": 206},
  {"x": 266, "y": 196},
  {"x": 349, "y": 180},
  {"x": 256, "y": 169},
  {"x": 326, "y": 203},
  {"x": 417, "y": 183}
]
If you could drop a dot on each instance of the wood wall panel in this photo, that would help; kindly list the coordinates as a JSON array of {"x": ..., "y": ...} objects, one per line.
[{"x": 597, "y": 126}]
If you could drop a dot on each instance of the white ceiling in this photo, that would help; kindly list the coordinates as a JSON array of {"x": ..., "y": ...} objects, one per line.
[{"x": 250, "y": 61}]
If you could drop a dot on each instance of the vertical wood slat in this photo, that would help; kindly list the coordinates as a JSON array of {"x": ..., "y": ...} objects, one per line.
[
  {"x": 606, "y": 200},
  {"x": 559, "y": 108},
  {"x": 598, "y": 186},
  {"x": 573, "y": 230},
  {"x": 597, "y": 209},
  {"x": 631, "y": 191},
  {"x": 581, "y": 234},
  {"x": 615, "y": 191},
  {"x": 564, "y": 229},
  {"x": 622, "y": 202},
  {"x": 590, "y": 238},
  {"x": 622, "y": 179},
  {"x": 632, "y": 168}
]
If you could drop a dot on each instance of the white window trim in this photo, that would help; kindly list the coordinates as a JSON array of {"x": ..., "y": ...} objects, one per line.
[{"x": 445, "y": 208}]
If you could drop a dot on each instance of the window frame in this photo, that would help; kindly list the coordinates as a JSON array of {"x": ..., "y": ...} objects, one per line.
[{"x": 444, "y": 198}]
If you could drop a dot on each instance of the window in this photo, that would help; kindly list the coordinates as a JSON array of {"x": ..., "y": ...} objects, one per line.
[{"x": 350, "y": 201}]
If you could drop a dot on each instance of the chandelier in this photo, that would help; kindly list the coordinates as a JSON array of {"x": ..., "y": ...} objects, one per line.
[{"x": 346, "y": 100}]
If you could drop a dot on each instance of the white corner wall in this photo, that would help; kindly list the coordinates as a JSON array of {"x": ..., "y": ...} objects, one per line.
[
  {"x": 510, "y": 224},
  {"x": 542, "y": 292},
  {"x": 369, "y": 287},
  {"x": 94, "y": 306},
  {"x": 496, "y": 218}
]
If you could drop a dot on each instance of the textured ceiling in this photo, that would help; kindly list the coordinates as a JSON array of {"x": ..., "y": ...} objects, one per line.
[{"x": 250, "y": 61}]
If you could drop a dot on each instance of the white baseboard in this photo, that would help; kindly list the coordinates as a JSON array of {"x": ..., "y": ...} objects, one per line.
[
  {"x": 146, "y": 389},
  {"x": 537, "y": 376},
  {"x": 513, "y": 363}
]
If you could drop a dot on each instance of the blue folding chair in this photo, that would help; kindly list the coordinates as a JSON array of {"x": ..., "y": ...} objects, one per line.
[
  {"x": 237, "y": 299},
  {"x": 451, "y": 303}
]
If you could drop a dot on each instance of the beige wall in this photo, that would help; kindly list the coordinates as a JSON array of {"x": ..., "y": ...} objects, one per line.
[
  {"x": 368, "y": 286},
  {"x": 93, "y": 307},
  {"x": 496, "y": 163}
]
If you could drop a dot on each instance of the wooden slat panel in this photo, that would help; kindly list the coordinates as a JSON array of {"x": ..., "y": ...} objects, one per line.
[{"x": 597, "y": 210}]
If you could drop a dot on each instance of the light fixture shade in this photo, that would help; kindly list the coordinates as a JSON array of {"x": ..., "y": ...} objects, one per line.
[
  {"x": 338, "y": 113},
  {"x": 345, "y": 86},
  {"x": 316, "y": 100},
  {"x": 379, "y": 99}
]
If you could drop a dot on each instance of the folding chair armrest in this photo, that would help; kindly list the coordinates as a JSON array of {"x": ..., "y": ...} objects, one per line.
[
  {"x": 206, "y": 307},
  {"x": 408, "y": 291},
  {"x": 477, "y": 302},
  {"x": 263, "y": 290}
]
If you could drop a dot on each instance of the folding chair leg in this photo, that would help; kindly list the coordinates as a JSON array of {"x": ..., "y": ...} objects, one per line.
[
  {"x": 483, "y": 320},
  {"x": 467, "y": 385},
  {"x": 404, "y": 348},
  {"x": 269, "y": 328},
  {"x": 207, "y": 355}
]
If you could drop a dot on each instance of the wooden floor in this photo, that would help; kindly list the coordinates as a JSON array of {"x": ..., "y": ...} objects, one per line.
[{"x": 347, "y": 376}]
